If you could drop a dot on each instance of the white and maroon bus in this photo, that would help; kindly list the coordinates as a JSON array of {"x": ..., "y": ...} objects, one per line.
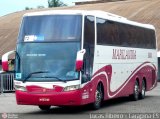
[{"x": 76, "y": 57}]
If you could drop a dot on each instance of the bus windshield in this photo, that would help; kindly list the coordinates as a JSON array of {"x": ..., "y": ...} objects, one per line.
[
  {"x": 47, "y": 48},
  {"x": 47, "y": 61},
  {"x": 49, "y": 28}
]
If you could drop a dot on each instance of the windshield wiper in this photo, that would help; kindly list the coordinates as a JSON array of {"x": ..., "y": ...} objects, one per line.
[
  {"x": 55, "y": 78},
  {"x": 37, "y": 72}
]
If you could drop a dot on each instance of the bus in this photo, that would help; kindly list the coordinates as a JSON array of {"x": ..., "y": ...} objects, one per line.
[{"x": 79, "y": 57}]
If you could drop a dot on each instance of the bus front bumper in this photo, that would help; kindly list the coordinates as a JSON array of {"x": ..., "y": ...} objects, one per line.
[{"x": 72, "y": 98}]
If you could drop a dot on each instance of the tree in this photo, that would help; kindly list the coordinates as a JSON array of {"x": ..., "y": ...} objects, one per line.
[
  {"x": 55, "y": 3},
  {"x": 27, "y": 8},
  {"x": 40, "y": 7}
]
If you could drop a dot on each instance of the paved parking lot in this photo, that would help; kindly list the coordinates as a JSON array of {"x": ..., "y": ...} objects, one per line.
[{"x": 149, "y": 105}]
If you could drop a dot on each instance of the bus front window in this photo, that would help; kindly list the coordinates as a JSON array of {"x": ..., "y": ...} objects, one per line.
[
  {"x": 50, "y": 28},
  {"x": 47, "y": 47}
]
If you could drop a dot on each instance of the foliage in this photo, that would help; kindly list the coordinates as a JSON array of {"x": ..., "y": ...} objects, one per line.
[
  {"x": 40, "y": 7},
  {"x": 27, "y": 8},
  {"x": 55, "y": 3}
]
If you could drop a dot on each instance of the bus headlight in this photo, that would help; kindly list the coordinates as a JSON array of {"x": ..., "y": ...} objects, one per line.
[
  {"x": 20, "y": 88},
  {"x": 70, "y": 88}
]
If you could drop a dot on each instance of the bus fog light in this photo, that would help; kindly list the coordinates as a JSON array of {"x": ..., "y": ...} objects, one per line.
[
  {"x": 20, "y": 88},
  {"x": 70, "y": 88}
]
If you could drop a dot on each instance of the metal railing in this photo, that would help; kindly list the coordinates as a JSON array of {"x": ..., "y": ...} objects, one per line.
[{"x": 6, "y": 82}]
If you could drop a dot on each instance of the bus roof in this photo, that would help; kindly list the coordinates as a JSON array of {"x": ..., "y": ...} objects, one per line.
[{"x": 96, "y": 13}]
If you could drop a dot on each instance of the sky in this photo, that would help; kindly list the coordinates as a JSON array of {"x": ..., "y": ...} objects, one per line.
[{"x": 9, "y": 6}]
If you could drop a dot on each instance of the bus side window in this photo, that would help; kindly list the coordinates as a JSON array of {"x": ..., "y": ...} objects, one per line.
[{"x": 89, "y": 41}]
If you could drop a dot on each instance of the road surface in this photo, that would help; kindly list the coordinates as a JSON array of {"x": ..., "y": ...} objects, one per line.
[{"x": 120, "y": 108}]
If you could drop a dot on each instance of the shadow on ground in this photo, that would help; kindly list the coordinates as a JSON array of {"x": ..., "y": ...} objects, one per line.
[{"x": 86, "y": 108}]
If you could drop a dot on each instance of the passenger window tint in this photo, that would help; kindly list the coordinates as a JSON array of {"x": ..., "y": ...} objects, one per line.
[
  {"x": 107, "y": 32},
  {"x": 89, "y": 41},
  {"x": 124, "y": 35}
]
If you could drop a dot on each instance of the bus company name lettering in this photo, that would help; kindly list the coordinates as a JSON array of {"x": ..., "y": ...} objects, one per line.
[{"x": 122, "y": 54}]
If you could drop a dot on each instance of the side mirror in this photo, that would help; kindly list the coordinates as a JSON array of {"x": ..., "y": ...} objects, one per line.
[
  {"x": 5, "y": 66},
  {"x": 79, "y": 59}
]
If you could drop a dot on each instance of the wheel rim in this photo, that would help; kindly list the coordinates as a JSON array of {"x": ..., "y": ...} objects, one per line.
[
  {"x": 143, "y": 89},
  {"x": 136, "y": 90},
  {"x": 98, "y": 97}
]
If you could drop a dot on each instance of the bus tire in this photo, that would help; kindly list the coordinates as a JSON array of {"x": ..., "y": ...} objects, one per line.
[
  {"x": 143, "y": 91},
  {"x": 44, "y": 107},
  {"x": 98, "y": 98},
  {"x": 135, "y": 95}
]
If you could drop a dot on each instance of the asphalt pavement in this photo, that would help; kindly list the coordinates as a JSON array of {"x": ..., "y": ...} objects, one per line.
[{"x": 148, "y": 108}]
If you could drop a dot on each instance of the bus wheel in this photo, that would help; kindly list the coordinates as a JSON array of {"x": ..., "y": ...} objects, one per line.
[
  {"x": 143, "y": 91},
  {"x": 44, "y": 107},
  {"x": 135, "y": 95},
  {"x": 98, "y": 98}
]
